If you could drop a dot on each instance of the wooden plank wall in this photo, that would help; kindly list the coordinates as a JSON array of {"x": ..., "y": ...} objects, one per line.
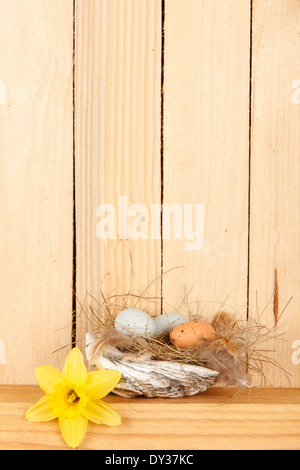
[
  {"x": 36, "y": 148},
  {"x": 118, "y": 120},
  {"x": 206, "y": 149},
  {"x": 275, "y": 177},
  {"x": 176, "y": 102}
]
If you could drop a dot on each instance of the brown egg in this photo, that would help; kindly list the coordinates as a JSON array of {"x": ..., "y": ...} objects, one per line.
[{"x": 187, "y": 335}]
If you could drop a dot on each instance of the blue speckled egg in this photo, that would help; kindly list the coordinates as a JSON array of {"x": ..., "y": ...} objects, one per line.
[
  {"x": 135, "y": 321},
  {"x": 165, "y": 323}
]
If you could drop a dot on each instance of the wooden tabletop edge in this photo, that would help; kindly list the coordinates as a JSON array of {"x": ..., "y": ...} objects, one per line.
[{"x": 30, "y": 393}]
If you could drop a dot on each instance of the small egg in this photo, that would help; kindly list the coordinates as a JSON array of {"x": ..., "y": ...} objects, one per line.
[
  {"x": 189, "y": 334},
  {"x": 165, "y": 323},
  {"x": 133, "y": 320}
]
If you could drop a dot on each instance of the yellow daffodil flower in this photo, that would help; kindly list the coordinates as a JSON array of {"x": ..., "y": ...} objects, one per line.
[{"x": 74, "y": 397}]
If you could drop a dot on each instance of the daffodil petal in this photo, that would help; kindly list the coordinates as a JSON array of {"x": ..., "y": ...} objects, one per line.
[
  {"x": 101, "y": 413},
  {"x": 48, "y": 378},
  {"x": 100, "y": 383},
  {"x": 74, "y": 369},
  {"x": 40, "y": 412},
  {"x": 73, "y": 430}
]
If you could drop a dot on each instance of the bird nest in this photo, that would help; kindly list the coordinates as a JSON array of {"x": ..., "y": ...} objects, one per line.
[{"x": 155, "y": 367}]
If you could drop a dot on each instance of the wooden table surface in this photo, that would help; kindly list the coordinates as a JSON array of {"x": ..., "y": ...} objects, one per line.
[{"x": 215, "y": 420}]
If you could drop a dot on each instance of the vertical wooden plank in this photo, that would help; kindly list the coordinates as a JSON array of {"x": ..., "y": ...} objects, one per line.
[
  {"x": 206, "y": 149},
  {"x": 36, "y": 185},
  {"x": 275, "y": 180},
  {"x": 118, "y": 70}
]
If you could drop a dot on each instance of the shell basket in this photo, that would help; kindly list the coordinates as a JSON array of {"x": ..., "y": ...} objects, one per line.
[{"x": 143, "y": 376}]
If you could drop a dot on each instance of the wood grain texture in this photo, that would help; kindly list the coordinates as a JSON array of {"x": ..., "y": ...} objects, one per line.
[
  {"x": 218, "y": 419},
  {"x": 117, "y": 112},
  {"x": 36, "y": 184},
  {"x": 275, "y": 178},
  {"x": 206, "y": 149}
]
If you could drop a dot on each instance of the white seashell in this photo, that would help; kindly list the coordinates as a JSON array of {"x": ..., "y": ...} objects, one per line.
[
  {"x": 133, "y": 320},
  {"x": 145, "y": 377},
  {"x": 166, "y": 323}
]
